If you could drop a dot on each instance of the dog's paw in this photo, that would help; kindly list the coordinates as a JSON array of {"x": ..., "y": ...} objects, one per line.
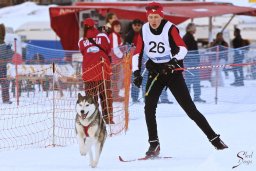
[
  {"x": 94, "y": 164},
  {"x": 83, "y": 152}
]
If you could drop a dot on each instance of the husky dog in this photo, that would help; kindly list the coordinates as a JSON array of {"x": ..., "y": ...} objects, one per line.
[{"x": 90, "y": 128}]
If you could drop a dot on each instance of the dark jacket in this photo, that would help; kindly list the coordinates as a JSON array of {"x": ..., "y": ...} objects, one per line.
[
  {"x": 192, "y": 58},
  {"x": 129, "y": 37},
  {"x": 6, "y": 54},
  {"x": 237, "y": 42},
  {"x": 190, "y": 41}
]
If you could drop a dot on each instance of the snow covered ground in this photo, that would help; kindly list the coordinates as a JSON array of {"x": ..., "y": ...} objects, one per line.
[{"x": 179, "y": 137}]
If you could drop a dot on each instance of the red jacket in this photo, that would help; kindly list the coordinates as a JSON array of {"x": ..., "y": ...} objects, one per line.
[
  {"x": 115, "y": 42},
  {"x": 92, "y": 65}
]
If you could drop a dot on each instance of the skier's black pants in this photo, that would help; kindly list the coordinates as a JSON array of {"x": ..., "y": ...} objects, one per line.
[{"x": 176, "y": 83}]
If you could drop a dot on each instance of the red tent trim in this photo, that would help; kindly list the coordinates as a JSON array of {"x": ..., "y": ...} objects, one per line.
[{"x": 65, "y": 19}]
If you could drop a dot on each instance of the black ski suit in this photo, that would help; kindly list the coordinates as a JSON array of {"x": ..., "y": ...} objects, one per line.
[{"x": 174, "y": 81}]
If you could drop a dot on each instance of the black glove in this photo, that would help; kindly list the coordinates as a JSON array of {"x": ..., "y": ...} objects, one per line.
[
  {"x": 169, "y": 67},
  {"x": 150, "y": 65},
  {"x": 137, "y": 78},
  {"x": 173, "y": 63}
]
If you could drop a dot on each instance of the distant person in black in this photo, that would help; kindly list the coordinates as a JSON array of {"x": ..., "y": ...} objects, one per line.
[
  {"x": 131, "y": 36},
  {"x": 222, "y": 49},
  {"x": 5, "y": 56},
  {"x": 192, "y": 59},
  {"x": 237, "y": 43},
  {"x": 38, "y": 59},
  {"x": 161, "y": 41},
  {"x": 219, "y": 41}
]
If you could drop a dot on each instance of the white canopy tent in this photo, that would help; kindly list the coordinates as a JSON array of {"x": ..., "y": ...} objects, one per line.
[
  {"x": 29, "y": 20},
  {"x": 36, "y": 30}
]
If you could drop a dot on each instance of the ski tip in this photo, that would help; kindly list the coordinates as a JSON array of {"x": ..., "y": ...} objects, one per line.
[{"x": 121, "y": 159}]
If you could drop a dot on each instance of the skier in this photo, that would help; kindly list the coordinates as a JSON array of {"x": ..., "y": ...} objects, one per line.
[{"x": 161, "y": 41}]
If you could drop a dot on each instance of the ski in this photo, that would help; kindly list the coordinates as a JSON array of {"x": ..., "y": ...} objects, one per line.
[{"x": 144, "y": 158}]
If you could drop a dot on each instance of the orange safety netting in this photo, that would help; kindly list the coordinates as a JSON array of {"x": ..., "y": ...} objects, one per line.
[{"x": 44, "y": 97}]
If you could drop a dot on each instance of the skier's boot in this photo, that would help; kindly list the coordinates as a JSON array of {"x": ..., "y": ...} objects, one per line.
[
  {"x": 154, "y": 149},
  {"x": 218, "y": 143}
]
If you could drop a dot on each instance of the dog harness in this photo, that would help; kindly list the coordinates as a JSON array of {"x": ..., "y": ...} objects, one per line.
[{"x": 86, "y": 128}]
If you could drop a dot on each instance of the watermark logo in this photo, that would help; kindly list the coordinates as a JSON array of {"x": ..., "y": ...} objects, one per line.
[{"x": 244, "y": 158}]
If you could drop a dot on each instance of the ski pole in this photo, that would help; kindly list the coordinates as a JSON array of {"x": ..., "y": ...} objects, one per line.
[
  {"x": 215, "y": 66},
  {"x": 143, "y": 72},
  {"x": 152, "y": 83},
  {"x": 186, "y": 70}
]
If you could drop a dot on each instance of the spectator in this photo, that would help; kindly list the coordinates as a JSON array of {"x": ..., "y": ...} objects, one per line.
[
  {"x": 116, "y": 40},
  {"x": 132, "y": 35},
  {"x": 131, "y": 38},
  {"x": 219, "y": 41},
  {"x": 95, "y": 48},
  {"x": 220, "y": 46},
  {"x": 116, "y": 55},
  {"x": 17, "y": 60},
  {"x": 5, "y": 56},
  {"x": 110, "y": 17},
  {"x": 237, "y": 43},
  {"x": 38, "y": 59},
  {"x": 223, "y": 45},
  {"x": 192, "y": 59}
]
